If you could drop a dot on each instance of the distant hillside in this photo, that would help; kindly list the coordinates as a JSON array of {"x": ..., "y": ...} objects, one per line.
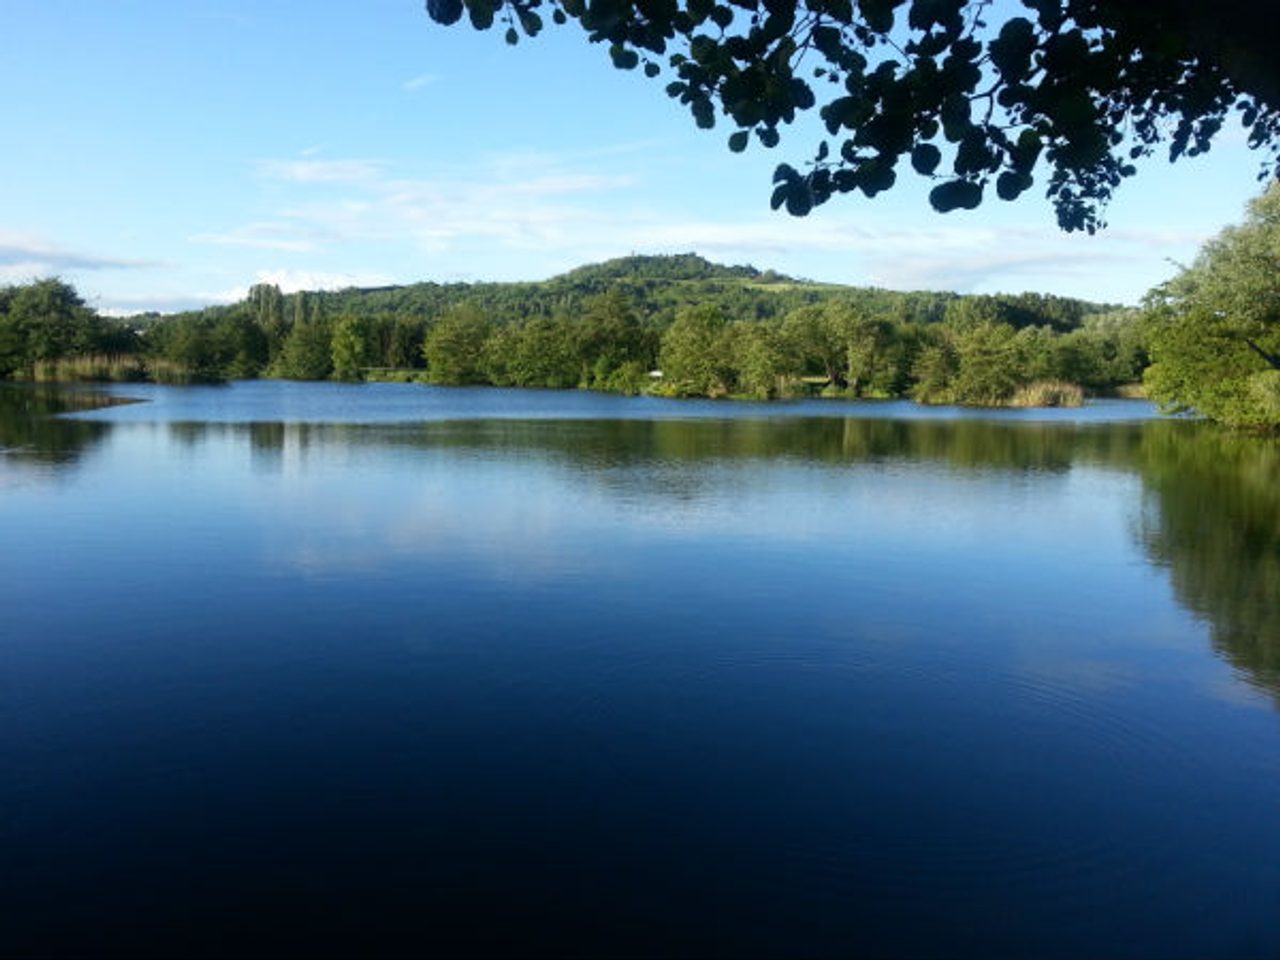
[
  {"x": 657, "y": 287},
  {"x": 676, "y": 268}
]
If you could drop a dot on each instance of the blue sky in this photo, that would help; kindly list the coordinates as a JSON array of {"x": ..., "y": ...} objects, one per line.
[{"x": 163, "y": 155}]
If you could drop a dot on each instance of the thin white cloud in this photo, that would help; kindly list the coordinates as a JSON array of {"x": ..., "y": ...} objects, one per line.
[
  {"x": 128, "y": 304},
  {"x": 320, "y": 171},
  {"x": 964, "y": 272},
  {"x": 290, "y": 281},
  {"x": 525, "y": 206},
  {"x": 266, "y": 235},
  {"x": 26, "y": 255},
  {"x": 560, "y": 211},
  {"x": 1000, "y": 257},
  {"x": 780, "y": 235},
  {"x": 414, "y": 84},
  {"x": 225, "y": 295},
  {"x": 551, "y": 185}
]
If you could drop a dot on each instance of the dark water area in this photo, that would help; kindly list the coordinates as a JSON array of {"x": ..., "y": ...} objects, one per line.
[{"x": 389, "y": 670}]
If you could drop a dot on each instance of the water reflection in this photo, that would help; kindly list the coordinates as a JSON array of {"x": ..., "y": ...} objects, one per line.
[
  {"x": 1214, "y": 521},
  {"x": 591, "y": 444},
  {"x": 1213, "y": 514},
  {"x": 30, "y": 434}
]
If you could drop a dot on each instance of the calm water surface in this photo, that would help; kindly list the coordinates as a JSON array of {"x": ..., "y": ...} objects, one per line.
[{"x": 300, "y": 668}]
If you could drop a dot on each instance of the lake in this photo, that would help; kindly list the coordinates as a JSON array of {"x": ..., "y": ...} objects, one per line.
[{"x": 389, "y": 669}]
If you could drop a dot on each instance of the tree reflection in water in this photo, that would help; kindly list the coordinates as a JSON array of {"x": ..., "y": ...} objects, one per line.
[{"x": 1211, "y": 514}]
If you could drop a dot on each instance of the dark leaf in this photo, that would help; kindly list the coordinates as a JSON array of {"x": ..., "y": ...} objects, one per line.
[
  {"x": 799, "y": 199},
  {"x": 955, "y": 195},
  {"x": 703, "y": 113},
  {"x": 623, "y": 58},
  {"x": 445, "y": 11},
  {"x": 878, "y": 14},
  {"x": 784, "y": 173},
  {"x": 1010, "y": 185},
  {"x": 925, "y": 158},
  {"x": 530, "y": 22}
]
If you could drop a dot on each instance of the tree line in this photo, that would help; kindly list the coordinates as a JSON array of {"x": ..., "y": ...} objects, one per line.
[{"x": 679, "y": 326}]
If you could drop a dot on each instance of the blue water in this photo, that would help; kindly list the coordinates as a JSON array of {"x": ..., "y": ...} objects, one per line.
[
  {"x": 306, "y": 668},
  {"x": 285, "y": 402}
]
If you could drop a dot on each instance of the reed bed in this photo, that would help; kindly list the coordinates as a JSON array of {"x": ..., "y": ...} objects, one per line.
[
  {"x": 1048, "y": 393},
  {"x": 90, "y": 369}
]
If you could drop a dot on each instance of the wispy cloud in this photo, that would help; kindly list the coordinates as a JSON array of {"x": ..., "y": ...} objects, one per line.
[
  {"x": 528, "y": 204},
  {"x": 264, "y": 235},
  {"x": 966, "y": 271},
  {"x": 939, "y": 257},
  {"x": 23, "y": 256},
  {"x": 290, "y": 281},
  {"x": 127, "y": 304},
  {"x": 413, "y": 84},
  {"x": 1002, "y": 258},
  {"x": 560, "y": 210},
  {"x": 320, "y": 171}
]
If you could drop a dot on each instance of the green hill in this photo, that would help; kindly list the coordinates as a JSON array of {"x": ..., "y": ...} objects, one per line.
[{"x": 656, "y": 287}]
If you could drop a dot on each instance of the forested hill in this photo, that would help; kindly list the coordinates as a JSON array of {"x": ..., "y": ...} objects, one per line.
[
  {"x": 676, "y": 324},
  {"x": 675, "y": 268},
  {"x": 657, "y": 287}
]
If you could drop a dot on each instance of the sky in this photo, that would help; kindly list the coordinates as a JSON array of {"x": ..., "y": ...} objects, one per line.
[{"x": 168, "y": 155}]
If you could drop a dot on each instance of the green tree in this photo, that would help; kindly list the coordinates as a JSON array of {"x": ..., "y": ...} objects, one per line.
[
  {"x": 307, "y": 353},
  {"x": 13, "y": 352},
  {"x": 989, "y": 365},
  {"x": 266, "y": 303},
  {"x": 934, "y": 370},
  {"x": 870, "y": 361},
  {"x": 609, "y": 336},
  {"x": 351, "y": 347},
  {"x": 764, "y": 367},
  {"x": 1214, "y": 330},
  {"x": 969, "y": 94},
  {"x": 544, "y": 355},
  {"x": 190, "y": 345},
  {"x": 964, "y": 312},
  {"x": 1044, "y": 356},
  {"x": 404, "y": 343},
  {"x": 240, "y": 345},
  {"x": 454, "y": 348},
  {"x": 49, "y": 320},
  {"x": 813, "y": 337},
  {"x": 696, "y": 356}
]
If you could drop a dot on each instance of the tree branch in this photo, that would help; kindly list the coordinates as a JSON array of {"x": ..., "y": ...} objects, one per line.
[{"x": 1271, "y": 358}]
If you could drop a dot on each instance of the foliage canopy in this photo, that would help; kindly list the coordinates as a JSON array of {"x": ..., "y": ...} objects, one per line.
[
  {"x": 966, "y": 93},
  {"x": 1215, "y": 328}
]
